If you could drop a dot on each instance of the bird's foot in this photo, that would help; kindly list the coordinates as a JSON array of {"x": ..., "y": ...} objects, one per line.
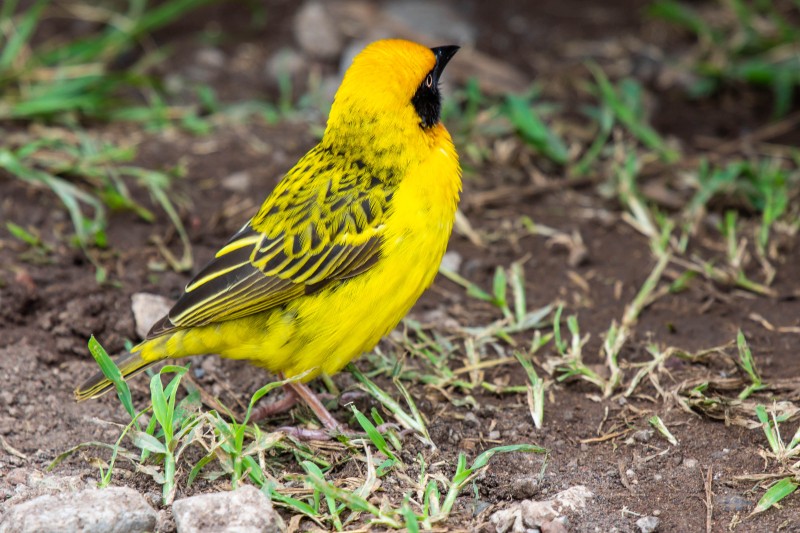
[{"x": 307, "y": 434}]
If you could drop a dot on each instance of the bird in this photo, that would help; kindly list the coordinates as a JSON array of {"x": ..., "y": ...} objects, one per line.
[{"x": 344, "y": 245}]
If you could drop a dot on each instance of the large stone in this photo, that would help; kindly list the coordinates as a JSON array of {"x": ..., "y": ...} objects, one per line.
[
  {"x": 246, "y": 510},
  {"x": 547, "y": 515},
  {"x": 110, "y": 510},
  {"x": 317, "y": 33}
]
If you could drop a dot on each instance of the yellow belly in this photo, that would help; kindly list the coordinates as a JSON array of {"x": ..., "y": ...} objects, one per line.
[{"x": 324, "y": 331}]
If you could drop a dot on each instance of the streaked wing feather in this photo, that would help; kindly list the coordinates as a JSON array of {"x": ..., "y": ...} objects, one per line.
[{"x": 304, "y": 238}]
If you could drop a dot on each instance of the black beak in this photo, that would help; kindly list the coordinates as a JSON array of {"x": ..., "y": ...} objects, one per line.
[{"x": 443, "y": 55}]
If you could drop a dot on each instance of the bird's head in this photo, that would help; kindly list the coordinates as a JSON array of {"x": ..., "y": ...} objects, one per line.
[{"x": 392, "y": 88}]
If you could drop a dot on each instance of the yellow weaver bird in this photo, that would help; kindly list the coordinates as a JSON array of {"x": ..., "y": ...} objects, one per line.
[{"x": 342, "y": 248}]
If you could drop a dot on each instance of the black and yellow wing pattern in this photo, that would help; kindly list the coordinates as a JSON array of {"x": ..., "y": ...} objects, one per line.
[{"x": 322, "y": 224}]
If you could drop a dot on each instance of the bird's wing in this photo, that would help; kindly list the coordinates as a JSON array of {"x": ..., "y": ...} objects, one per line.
[{"x": 323, "y": 223}]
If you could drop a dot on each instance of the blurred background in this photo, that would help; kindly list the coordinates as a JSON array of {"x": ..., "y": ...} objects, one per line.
[{"x": 629, "y": 213}]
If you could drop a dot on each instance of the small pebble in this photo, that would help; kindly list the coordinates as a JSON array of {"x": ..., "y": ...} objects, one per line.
[
  {"x": 18, "y": 476},
  {"x": 480, "y": 506},
  {"x": 689, "y": 463},
  {"x": 452, "y": 261},
  {"x": 471, "y": 420},
  {"x": 647, "y": 524},
  {"x": 210, "y": 57},
  {"x": 524, "y": 487},
  {"x": 237, "y": 182}
]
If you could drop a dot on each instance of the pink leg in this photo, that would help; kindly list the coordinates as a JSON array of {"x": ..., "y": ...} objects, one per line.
[
  {"x": 311, "y": 399},
  {"x": 294, "y": 392},
  {"x": 267, "y": 410}
]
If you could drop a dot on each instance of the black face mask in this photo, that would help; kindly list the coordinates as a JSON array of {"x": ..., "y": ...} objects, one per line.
[{"x": 427, "y": 101}]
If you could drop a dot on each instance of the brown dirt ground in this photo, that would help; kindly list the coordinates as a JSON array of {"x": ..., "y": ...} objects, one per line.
[{"x": 44, "y": 325}]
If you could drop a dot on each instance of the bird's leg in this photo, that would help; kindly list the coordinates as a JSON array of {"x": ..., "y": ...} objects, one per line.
[
  {"x": 294, "y": 392},
  {"x": 311, "y": 399},
  {"x": 267, "y": 410}
]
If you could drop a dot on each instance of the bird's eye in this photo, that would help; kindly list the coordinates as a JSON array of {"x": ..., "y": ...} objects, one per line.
[{"x": 429, "y": 81}]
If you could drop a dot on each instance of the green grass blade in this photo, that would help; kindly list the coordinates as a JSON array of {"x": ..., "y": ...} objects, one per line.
[
  {"x": 148, "y": 442},
  {"x": 472, "y": 289},
  {"x": 160, "y": 405},
  {"x": 681, "y": 15},
  {"x": 657, "y": 423},
  {"x": 413, "y": 421},
  {"x": 769, "y": 430},
  {"x": 775, "y": 494},
  {"x": 266, "y": 389},
  {"x": 534, "y": 131},
  {"x": 410, "y": 519},
  {"x": 748, "y": 364},
  {"x": 626, "y": 115},
  {"x": 111, "y": 371},
  {"x": 535, "y": 390},
  {"x": 294, "y": 504},
  {"x": 373, "y": 434},
  {"x": 23, "y": 32}
]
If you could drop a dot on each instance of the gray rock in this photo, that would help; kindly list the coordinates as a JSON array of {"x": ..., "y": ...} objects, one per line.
[
  {"x": 524, "y": 487},
  {"x": 317, "y": 33},
  {"x": 111, "y": 510},
  {"x": 436, "y": 20},
  {"x": 237, "y": 182},
  {"x": 733, "y": 503},
  {"x": 690, "y": 463},
  {"x": 527, "y": 514},
  {"x": 212, "y": 58},
  {"x": 643, "y": 435},
  {"x": 647, "y": 524},
  {"x": 452, "y": 261},
  {"x": 147, "y": 310},
  {"x": 241, "y": 511},
  {"x": 27, "y": 483},
  {"x": 470, "y": 420},
  {"x": 206, "y": 66}
]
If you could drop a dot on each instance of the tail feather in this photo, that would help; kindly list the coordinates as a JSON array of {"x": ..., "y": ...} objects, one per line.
[{"x": 129, "y": 365}]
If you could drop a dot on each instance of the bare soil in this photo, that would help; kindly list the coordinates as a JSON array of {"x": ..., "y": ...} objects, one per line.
[{"x": 49, "y": 308}]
